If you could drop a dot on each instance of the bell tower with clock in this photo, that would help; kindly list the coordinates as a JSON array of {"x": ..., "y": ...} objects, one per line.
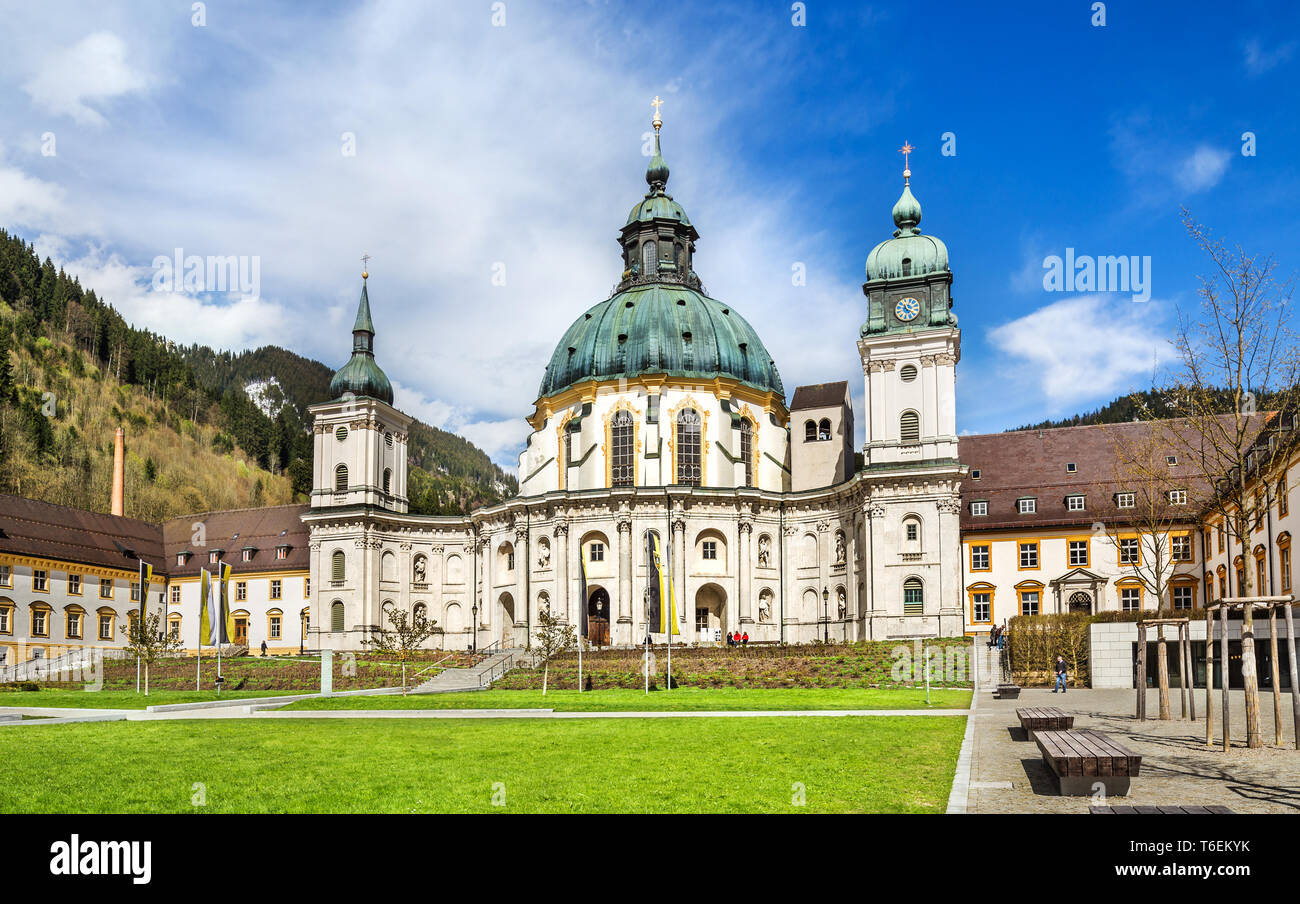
[{"x": 910, "y": 344}]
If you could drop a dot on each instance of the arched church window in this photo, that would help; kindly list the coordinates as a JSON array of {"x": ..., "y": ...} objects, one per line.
[
  {"x": 824, "y": 429},
  {"x": 622, "y": 468},
  {"x": 747, "y": 450},
  {"x": 649, "y": 258},
  {"x": 388, "y": 481},
  {"x": 341, "y": 479},
  {"x": 338, "y": 566},
  {"x": 336, "y": 616},
  {"x": 909, "y": 427},
  {"x": 809, "y": 432},
  {"x": 688, "y": 447}
]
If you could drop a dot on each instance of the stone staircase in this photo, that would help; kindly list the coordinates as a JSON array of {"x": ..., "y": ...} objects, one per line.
[
  {"x": 988, "y": 668},
  {"x": 476, "y": 677}
]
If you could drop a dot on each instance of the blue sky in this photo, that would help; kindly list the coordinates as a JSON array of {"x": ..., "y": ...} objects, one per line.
[{"x": 484, "y": 149}]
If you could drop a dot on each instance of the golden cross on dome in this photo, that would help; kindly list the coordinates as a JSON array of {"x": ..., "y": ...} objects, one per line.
[
  {"x": 365, "y": 260},
  {"x": 657, "y": 103},
  {"x": 906, "y": 151}
]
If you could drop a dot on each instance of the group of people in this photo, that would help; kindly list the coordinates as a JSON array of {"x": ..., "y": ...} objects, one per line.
[
  {"x": 996, "y": 636},
  {"x": 737, "y": 639}
]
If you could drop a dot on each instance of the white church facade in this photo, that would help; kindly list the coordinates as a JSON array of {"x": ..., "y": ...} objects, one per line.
[{"x": 661, "y": 411}]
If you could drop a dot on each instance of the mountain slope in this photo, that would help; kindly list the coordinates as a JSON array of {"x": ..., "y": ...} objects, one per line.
[{"x": 72, "y": 369}]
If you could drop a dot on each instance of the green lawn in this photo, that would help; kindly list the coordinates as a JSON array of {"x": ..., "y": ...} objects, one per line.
[
  {"x": 869, "y": 764},
  {"x": 122, "y": 699},
  {"x": 687, "y": 698}
]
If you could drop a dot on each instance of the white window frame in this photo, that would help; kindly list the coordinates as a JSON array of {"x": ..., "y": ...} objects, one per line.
[
  {"x": 1027, "y": 506},
  {"x": 1072, "y": 507},
  {"x": 979, "y": 509}
]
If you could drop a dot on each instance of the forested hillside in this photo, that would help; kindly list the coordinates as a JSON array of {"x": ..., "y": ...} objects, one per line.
[
  {"x": 1139, "y": 405},
  {"x": 72, "y": 370}
]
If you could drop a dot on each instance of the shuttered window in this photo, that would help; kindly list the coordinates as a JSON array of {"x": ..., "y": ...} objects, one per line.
[
  {"x": 913, "y": 597},
  {"x": 339, "y": 570},
  {"x": 341, "y": 479},
  {"x": 336, "y": 617},
  {"x": 909, "y": 427}
]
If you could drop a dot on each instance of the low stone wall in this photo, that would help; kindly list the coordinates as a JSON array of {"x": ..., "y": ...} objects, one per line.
[{"x": 1112, "y": 643}]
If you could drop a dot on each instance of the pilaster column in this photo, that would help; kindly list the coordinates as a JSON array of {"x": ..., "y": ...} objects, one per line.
[
  {"x": 745, "y": 588},
  {"x": 878, "y": 602},
  {"x": 561, "y": 533},
  {"x": 679, "y": 566},
  {"x": 624, "y": 612},
  {"x": 523, "y": 605}
]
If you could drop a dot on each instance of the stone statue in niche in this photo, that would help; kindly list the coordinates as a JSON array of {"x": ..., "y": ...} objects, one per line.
[
  {"x": 543, "y": 555},
  {"x": 839, "y": 548},
  {"x": 421, "y": 576},
  {"x": 842, "y": 603},
  {"x": 764, "y": 551},
  {"x": 765, "y": 609}
]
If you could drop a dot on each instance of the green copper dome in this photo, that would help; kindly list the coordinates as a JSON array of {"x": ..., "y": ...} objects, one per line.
[
  {"x": 660, "y": 329},
  {"x": 361, "y": 376},
  {"x": 908, "y": 253},
  {"x": 659, "y": 319}
]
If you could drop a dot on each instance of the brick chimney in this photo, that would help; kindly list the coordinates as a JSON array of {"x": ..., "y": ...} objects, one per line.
[{"x": 119, "y": 472}]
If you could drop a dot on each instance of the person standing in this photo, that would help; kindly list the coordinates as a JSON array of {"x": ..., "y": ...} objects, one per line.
[{"x": 1060, "y": 674}]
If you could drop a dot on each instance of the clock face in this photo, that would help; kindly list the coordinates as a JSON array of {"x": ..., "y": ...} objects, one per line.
[{"x": 907, "y": 309}]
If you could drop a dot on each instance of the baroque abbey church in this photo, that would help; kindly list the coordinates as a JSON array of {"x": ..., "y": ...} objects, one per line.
[{"x": 661, "y": 411}]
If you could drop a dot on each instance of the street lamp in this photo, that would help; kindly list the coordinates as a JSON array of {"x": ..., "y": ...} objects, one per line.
[
  {"x": 474, "y": 615},
  {"x": 826, "y": 615}
]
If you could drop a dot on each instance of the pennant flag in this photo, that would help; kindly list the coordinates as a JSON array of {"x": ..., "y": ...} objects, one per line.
[
  {"x": 146, "y": 576},
  {"x": 205, "y": 606},
  {"x": 223, "y": 626},
  {"x": 582, "y": 595},
  {"x": 663, "y": 601}
]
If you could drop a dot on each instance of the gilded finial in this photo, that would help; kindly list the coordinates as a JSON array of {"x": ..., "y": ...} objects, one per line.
[
  {"x": 906, "y": 151},
  {"x": 657, "y": 103},
  {"x": 365, "y": 259}
]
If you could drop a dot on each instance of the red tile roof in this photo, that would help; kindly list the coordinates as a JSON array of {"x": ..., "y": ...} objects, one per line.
[{"x": 1034, "y": 463}]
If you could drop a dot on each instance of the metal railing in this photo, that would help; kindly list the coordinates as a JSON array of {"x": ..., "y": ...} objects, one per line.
[{"x": 74, "y": 661}]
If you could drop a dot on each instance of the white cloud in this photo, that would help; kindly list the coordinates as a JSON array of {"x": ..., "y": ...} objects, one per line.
[
  {"x": 532, "y": 160},
  {"x": 26, "y": 201},
  {"x": 1258, "y": 60},
  {"x": 1113, "y": 344},
  {"x": 1202, "y": 169},
  {"x": 93, "y": 70},
  {"x": 215, "y": 321}
]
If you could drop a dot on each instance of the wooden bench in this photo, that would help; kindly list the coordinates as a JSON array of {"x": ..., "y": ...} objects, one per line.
[
  {"x": 1080, "y": 760},
  {"x": 1008, "y": 691},
  {"x": 1043, "y": 718},
  {"x": 1169, "y": 811}
]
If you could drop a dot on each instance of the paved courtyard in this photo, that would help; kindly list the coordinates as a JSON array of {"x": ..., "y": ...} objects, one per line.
[{"x": 1177, "y": 767}]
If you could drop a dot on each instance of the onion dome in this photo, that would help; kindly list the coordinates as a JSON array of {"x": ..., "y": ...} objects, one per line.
[
  {"x": 909, "y": 252},
  {"x": 361, "y": 376}
]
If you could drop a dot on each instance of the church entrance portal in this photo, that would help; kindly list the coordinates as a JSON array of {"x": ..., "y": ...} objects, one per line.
[{"x": 598, "y": 617}]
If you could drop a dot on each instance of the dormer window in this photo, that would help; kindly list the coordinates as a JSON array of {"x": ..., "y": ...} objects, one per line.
[
  {"x": 979, "y": 509},
  {"x": 975, "y": 474},
  {"x": 1125, "y": 500},
  {"x": 1027, "y": 505},
  {"x": 1071, "y": 467},
  {"x": 1075, "y": 503},
  {"x": 247, "y": 553},
  {"x": 282, "y": 552}
]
